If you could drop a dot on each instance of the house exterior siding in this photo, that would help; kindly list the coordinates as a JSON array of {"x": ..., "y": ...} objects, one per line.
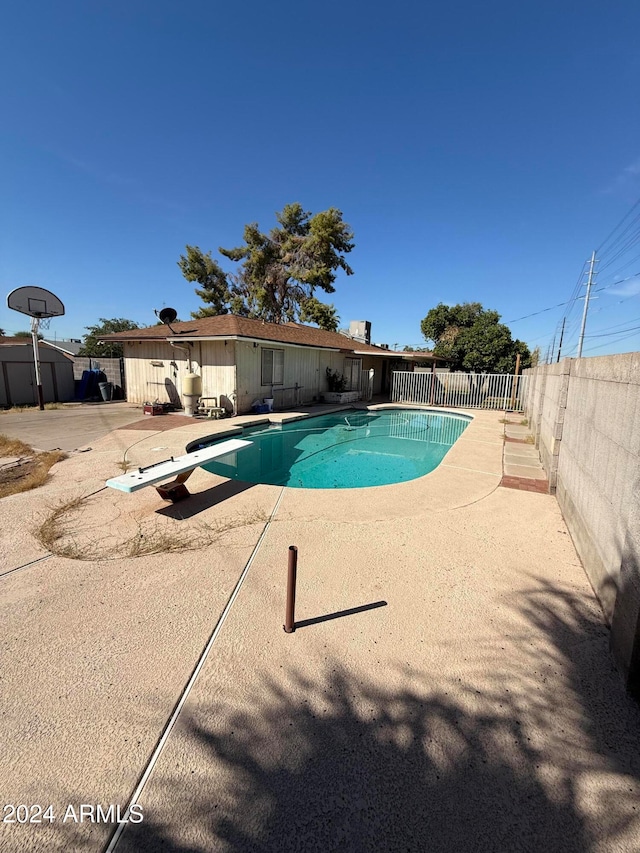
[
  {"x": 232, "y": 372},
  {"x": 162, "y": 381},
  {"x": 305, "y": 366},
  {"x": 218, "y": 371}
]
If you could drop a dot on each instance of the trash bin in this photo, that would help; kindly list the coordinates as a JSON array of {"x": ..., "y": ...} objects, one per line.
[{"x": 106, "y": 390}]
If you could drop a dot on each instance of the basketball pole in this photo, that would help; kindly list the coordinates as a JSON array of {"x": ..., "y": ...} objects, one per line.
[{"x": 35, "y": 325}]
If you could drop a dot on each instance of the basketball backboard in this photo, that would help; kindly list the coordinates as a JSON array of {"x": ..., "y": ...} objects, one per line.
[{"x": 35, "y": 301}]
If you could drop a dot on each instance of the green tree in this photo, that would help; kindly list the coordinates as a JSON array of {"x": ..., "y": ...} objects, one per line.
[
  {"x": 278, "y": 272},
  {"x": 91, "y": 345},
  {"x": 323, "y": 315},
  {"x": 473, "y": 338},
  {"x": 27, "y": 334},
  {"x": 216, "y": 289}
]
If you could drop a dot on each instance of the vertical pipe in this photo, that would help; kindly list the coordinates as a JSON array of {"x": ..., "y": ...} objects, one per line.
[
  {"x": 433, "y": 383},
  {"x": 292, "y": 570},
  {"x": 35, "y": 324},
  {"x": 515, "y": 381}
]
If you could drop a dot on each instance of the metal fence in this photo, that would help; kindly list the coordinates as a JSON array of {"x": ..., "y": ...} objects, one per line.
[{"x": 460, "y": 390}]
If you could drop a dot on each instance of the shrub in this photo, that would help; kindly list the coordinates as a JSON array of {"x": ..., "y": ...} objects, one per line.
[{"x": 336, "y": 381}]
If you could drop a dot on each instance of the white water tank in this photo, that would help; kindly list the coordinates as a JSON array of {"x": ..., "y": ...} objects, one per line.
[{"x": 191, "y": 391}]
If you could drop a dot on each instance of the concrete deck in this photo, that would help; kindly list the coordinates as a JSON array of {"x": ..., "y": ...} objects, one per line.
[
  {"x": 69, "y": 428},
  {"x": 448, "y": 687}
]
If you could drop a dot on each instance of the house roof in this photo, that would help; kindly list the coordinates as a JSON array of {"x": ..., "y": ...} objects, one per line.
[
  {"x": 14, "y": 342},
  {"x": 67, "y": 347},
  {"x": 232, "y": 326}
]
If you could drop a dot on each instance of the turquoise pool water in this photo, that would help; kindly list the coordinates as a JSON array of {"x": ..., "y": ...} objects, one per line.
[{"x": 343, "y": 450}]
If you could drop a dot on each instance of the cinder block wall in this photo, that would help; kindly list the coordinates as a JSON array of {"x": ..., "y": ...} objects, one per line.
[
  {"x": 109, "y": 366},
  {"x": 585, "y": 416}
]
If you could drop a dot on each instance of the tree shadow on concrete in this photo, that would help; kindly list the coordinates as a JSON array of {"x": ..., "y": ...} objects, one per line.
[
  {"x": 625, "y": 621},
  {"x": 536, "y": 749}
]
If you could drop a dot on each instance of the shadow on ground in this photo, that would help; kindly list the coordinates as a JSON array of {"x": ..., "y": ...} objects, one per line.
[
  {"x": 200, "y": 501},
  {"x": 535, "y": 750}
]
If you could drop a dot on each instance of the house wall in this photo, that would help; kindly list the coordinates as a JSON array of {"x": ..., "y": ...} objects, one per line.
[
  {"x": 218, "y": 371},
  {"x": 232, "y": 372},
  {"x": 147, "y": 382},
  {"x": 305, "y": 366},
  {"x": 585, "y": 415}
]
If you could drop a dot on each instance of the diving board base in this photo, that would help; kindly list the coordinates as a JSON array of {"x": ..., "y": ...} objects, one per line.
[{"x": 173, "y": 491}]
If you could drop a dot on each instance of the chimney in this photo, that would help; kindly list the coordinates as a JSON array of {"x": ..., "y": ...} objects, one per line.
[{"x": 360, "y": 330}]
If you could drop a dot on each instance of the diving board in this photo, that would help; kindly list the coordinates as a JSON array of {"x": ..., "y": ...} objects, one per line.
[{"x": 180, "y": 465}]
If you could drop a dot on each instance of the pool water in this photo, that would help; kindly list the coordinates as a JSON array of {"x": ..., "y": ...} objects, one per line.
[{"x": 343, "y": 450}]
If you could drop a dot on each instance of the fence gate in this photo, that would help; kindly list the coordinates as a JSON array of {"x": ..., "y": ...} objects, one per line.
[{"x": 460, "y": 390}]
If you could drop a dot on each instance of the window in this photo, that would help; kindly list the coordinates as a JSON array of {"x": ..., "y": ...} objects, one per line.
[{"x": 272, "y": 366}]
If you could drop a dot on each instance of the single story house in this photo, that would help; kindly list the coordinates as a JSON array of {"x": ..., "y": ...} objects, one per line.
[
  {"x": 18, "y": 374},
  {"x": 242, "y": 360}
]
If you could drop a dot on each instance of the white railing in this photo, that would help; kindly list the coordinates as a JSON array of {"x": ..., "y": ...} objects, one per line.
[{"x": 460, "y": 390}]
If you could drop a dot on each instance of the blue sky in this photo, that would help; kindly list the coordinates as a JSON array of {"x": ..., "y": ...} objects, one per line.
[{"x": 480, "y": 151}]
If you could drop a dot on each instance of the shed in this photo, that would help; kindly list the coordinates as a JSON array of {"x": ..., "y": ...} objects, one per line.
[{"x": 18, "y": 376}]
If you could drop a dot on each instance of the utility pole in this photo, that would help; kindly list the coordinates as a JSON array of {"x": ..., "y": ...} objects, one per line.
[
  {"x": 564, "y": 320},
  {"x": 586, "y": 303},
  {"x": 553, "y": 345}
]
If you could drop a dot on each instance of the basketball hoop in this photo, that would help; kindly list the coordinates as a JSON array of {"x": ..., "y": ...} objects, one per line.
[{"x": 40, "y": 305}]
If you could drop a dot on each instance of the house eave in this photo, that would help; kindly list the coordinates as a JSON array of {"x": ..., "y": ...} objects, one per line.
[{"x": 242, "y": 339}]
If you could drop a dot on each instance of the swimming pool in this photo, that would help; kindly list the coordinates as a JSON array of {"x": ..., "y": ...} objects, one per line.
[{"x": 344, "y": 450}]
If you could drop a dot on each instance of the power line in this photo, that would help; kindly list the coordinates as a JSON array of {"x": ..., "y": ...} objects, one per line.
[
  {"x": 608, "y": 343},
  {"x": 608, "y": 237},
  {"x": 619, "y": 332},
  {"x": 615, "y": 326},
  {"x": 630, "y": 242}
]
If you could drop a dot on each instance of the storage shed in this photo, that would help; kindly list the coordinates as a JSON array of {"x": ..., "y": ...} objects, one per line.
[{"x": 18, "y": 376}]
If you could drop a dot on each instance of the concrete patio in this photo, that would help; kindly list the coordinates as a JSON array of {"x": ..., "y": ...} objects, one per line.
[{"x": 448, "y": 688}]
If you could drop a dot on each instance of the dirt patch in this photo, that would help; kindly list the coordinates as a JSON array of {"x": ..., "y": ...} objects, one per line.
[{"x": 28, "y": 473}]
